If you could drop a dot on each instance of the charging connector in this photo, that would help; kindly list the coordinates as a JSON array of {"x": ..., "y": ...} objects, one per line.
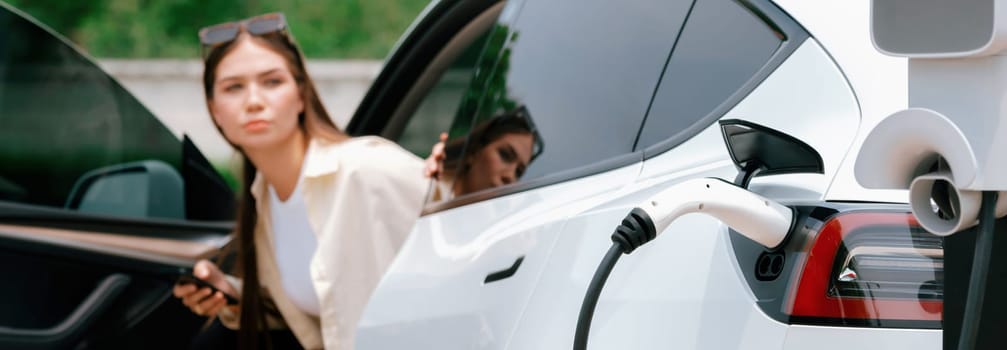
[{"x": 758, "y": 218}]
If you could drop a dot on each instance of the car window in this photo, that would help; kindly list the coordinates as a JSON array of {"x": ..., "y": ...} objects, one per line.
[
  {"x": 435, "y": 111},
  {"x": 723, "y": 45},
  {"x": 71, "y": 137},
  {"x": 552, "y": 98}
]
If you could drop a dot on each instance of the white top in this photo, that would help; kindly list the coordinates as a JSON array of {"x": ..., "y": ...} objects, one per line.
[
  {"x": 362, "y": 197},
  {"x": 295, "y": 245}
]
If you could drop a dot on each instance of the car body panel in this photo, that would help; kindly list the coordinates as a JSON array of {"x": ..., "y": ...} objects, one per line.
[
  {"x": 880, "y": 82},
  {"x": 438, "y": 282},
  {"x": 805, "y": 97},
  {"x": 829, "y": 338},
  {"x": 699, "y": 283},
  {"x": 687, "y": 289}
]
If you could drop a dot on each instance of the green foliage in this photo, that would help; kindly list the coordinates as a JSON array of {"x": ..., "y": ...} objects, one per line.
[
  {"x": 167, "y": 28},
  {"x": 59, "y": 14},
  {"x": 488, "y": 94}
]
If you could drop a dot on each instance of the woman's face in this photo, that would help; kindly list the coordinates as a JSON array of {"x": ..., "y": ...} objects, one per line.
[
  {"x": 501, "y": 162},
  {"x": 256, "y": 101}
]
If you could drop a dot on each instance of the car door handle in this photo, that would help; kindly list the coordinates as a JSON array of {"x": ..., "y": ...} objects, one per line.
[
  {"x": 505, "y": 273},
  {"x": 66, "y": 333}
]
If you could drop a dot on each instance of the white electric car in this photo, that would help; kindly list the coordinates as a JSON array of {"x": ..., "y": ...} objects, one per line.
[
  {"x": 602, "y": 106},
  {"x": 624, "y": 99}
]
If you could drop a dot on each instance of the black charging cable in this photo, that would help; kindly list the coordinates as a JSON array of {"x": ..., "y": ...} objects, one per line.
[
  {"x": 636, "y": 229},
  {"x": 980, "y": 270}
]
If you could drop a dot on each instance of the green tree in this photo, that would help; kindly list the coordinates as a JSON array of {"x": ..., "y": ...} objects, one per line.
[
  {"x": 167, "y": 28},
  {"x": 488, "y": 93},
  {"x": 60, "y": 15}
]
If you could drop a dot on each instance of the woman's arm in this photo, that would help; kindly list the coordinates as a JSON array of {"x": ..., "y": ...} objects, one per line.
[{"x": 434, "y": 164}]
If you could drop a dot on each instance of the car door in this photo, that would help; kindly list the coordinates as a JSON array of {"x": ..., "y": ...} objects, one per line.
[
  {"x": 462, "y": 279},
  {"x": 100, "y": 205}
]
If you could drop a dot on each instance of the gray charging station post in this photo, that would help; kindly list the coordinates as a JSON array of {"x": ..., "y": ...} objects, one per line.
[{"x": 949, "y": 147}]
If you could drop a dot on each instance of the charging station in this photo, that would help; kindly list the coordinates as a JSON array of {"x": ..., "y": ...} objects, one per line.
[{"x": 949, "y": 149}]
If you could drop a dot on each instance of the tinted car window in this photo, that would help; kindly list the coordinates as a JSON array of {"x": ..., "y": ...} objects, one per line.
[
  {"x": 436, "y": 110},
  {"x": 579, "y": 87},
  {"x": 62, "y": 117},
  {"x": 722, "y": 46}
]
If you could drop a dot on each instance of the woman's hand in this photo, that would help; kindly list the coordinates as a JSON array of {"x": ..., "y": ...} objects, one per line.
[
  {"x": 203, "y": 301},
  {"x": 435, "y": 162}
]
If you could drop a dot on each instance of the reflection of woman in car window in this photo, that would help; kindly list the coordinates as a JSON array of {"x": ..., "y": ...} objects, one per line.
[
  {"x": 322, "y": 214},
  {"x": 499, "y": 151}
]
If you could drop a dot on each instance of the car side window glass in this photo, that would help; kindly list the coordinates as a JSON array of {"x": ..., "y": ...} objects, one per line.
[
  {"x": 72, "y": 138},
  {"x": 434, "y": 113},
  {"x": 722, "y": 46},
  {"x": 553, "y": 98}
]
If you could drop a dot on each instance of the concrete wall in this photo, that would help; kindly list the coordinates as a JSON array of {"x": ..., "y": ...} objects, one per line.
[{"x": 173, "y": 91}]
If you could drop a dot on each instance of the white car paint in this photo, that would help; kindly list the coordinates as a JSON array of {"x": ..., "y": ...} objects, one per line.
[
  {"x": 437, "y": 280},
  {"x": 685, "y": 289},
  {"x": 879, "y": 81},
  {"x": 811, "y": 337}
]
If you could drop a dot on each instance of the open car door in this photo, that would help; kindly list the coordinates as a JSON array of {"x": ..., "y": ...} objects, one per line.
[{"x": 101, "y": 206}]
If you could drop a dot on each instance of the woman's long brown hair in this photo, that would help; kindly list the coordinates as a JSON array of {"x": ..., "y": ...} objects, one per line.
[{"x": 315, "y": 122}]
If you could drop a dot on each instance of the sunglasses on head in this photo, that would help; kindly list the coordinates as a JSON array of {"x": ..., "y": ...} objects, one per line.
[{"x": 223, "y": 33}]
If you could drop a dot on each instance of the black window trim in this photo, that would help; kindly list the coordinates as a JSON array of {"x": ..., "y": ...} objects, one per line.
[
  {"x": 427, "y": 80},
  {"x": 437, "y": 27},
  {"x": 793, "y": 36}
]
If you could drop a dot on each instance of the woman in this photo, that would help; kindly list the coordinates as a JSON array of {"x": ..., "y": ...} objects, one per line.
[
  {"x": 499, "y": 151},
  {"x": 322, "y": 215}
]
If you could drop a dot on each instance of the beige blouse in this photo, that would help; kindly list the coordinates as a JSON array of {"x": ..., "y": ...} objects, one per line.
[{"x": 362, "y": 197}]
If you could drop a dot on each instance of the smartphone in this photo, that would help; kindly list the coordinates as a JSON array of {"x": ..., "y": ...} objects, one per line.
[{"x": 186, "y": 277}]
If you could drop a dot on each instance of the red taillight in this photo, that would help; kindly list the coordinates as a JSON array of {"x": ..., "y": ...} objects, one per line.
[{"x": 865, "y": 267}]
